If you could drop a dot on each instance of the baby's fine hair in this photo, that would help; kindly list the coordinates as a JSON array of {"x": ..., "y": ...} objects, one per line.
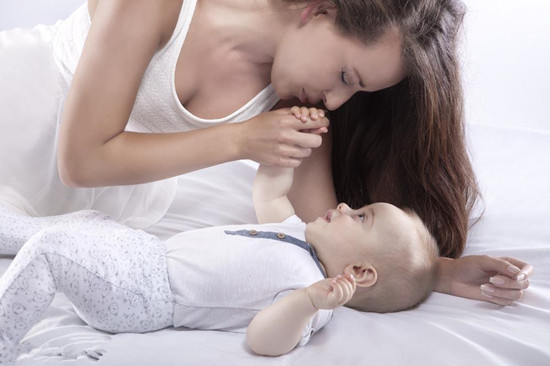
[{"x": 407, "y": 273}]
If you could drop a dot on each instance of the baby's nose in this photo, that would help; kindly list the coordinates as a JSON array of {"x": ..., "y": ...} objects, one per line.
[{"x": 343, "y": 208}]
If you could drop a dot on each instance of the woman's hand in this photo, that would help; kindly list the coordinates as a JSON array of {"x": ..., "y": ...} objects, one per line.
[
  {"x": 331, "y": 293},
  {"x": 486, "y": 278},
  {"x": 279, "y": 138}
]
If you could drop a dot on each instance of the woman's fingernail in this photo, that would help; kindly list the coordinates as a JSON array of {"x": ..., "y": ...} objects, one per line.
[
  {"x": 486, "y": 294},
  {"x": 521, "y": 277},
  {"x": 513, "y": 270},
  {"x": 487, "y": 288},
  {"x": 496, "y": 280}
]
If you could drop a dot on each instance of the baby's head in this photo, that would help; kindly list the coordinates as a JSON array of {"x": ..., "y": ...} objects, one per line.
[{"x": 389, "y": 251}]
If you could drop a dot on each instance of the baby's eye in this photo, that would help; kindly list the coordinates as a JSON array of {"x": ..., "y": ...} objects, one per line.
[{"x": 362, "y": 217}]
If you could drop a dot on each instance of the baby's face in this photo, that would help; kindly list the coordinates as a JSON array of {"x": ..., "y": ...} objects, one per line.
[{"x": 345, "y": 236}]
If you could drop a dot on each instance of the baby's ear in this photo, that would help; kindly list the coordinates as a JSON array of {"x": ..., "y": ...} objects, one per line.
[
  {"x": 365, "y": 275},
  {"x": 316, "y": 8}
]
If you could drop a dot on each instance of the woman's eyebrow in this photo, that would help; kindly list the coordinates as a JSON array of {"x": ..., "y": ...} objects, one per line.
[{"x": 361, "y": 84}]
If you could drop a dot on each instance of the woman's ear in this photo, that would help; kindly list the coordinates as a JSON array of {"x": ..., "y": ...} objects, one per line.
[
  {"x": 314, "y": 9},
  {"x": 365, "y": 274}
]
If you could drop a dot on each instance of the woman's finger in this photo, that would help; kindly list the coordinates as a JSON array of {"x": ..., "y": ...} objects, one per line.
[
  {"x": 304, "y": 140},
  {"x": 288, "y": 162},
  {"x": 498, "y": 300},
  {"x": 509, "y": 283},
  {"x": 498, "y": 265},
  {"x": 317, "y": 131},
  {"x": 525, "y": 268},
  {"x": 294, "y": 152},
  {"x": 491, "y": 291}
]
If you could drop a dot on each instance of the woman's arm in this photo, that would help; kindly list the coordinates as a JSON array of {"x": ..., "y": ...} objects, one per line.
[
  {"x": 123, "y": 37},
  {"x": 94, "y": 149}
]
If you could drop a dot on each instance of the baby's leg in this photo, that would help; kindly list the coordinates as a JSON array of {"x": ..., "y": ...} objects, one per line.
[
  {"x": 115, "y": 277},
  {"x": 16, "y": 229}
]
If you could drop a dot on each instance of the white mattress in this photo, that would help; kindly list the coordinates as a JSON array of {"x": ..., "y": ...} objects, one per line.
[{"x": 513, "y": 167}]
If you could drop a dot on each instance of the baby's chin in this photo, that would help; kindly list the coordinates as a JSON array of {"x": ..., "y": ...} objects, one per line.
[
  {"x": 312, "y": 229},
  {"x": 308, "y": 230}
]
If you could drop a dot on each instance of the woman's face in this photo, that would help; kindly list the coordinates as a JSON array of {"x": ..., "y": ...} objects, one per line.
[{"x": 315, "y": 63}]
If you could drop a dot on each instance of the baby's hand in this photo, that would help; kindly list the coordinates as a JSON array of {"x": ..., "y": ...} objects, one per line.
[
  {"x": 331, "y": 293},
  {"x": 305, "y": 113}
]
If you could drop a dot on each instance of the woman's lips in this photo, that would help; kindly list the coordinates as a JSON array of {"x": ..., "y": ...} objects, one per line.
[
  {"x": 303, "y": 98},
  {"x": 328, "y": 216}
]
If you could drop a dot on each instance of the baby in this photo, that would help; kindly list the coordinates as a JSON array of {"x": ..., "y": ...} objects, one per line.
[{"x": 278, "y": 281}]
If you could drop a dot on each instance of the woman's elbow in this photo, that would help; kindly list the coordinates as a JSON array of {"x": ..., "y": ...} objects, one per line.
[{"x": 73, "y": 172}]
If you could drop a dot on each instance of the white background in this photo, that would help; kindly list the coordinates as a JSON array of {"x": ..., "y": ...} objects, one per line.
[{"x": 506, "y": 52}]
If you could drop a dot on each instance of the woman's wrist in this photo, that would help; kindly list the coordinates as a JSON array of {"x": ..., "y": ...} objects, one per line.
[
  {"x": 238, "y": 138},
  {"x": 444, "y": 275}
]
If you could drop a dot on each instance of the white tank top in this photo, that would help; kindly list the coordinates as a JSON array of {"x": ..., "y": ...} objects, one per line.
[{"x": 156, "y": 109}]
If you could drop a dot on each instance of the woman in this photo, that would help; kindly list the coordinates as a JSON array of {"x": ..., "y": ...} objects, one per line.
[{"x": 147, "y": 97}]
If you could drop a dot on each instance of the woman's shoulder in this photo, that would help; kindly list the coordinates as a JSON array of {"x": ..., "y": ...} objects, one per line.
[{"x": 162, "y": 13}]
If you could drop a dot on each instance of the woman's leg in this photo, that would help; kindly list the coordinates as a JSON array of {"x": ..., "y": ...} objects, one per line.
[{"x": 115, "y": 277}]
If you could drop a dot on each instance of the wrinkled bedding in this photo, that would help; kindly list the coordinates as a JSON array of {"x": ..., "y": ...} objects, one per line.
[{"x": 514, "y": 173}]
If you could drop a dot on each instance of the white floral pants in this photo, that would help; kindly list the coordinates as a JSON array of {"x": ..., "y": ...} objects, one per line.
[{"x": 115, "y": 276}]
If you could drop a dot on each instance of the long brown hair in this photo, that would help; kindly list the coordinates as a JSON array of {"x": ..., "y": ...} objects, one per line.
[{"x": 405, "y": 145}]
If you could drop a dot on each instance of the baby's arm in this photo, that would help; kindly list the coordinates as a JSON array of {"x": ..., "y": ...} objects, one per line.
[
  {"x": 273, "y": 183},
  {"x": 277, "y": 329},
  {"x": 271, "y": 187}
]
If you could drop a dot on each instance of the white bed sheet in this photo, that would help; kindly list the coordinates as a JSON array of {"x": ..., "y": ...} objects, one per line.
[{"x": 513, "y": 167}]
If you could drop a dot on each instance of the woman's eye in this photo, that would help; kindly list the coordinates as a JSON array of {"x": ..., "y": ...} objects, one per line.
[{"x": 343, "y": 77}]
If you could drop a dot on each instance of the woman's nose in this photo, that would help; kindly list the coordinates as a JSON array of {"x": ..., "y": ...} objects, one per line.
[{"x": 334, "y": 99}]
